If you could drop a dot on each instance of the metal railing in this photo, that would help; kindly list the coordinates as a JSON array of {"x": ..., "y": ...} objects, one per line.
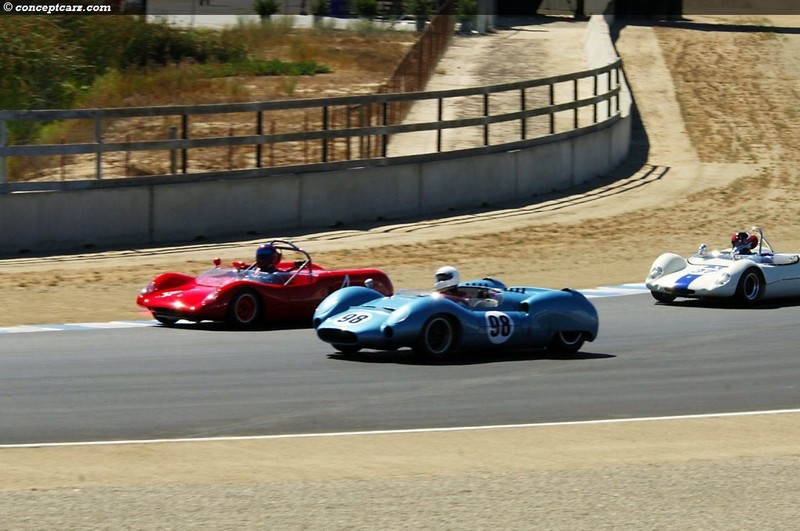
[{"x": 96, "y": 144}]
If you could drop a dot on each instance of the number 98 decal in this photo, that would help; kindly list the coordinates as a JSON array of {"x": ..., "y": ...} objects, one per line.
[
  {"x": 353, "y": 318},
  {"x": 499, "y": 326}
]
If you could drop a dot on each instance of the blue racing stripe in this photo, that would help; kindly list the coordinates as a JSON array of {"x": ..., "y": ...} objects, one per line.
[{"x": 683, "y": 282}]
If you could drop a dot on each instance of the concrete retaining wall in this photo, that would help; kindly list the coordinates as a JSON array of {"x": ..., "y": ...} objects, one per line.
[{"x": 244, "y": 207}]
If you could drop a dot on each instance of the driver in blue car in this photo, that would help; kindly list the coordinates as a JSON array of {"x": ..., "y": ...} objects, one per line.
[{"x": 447, "y": 279}]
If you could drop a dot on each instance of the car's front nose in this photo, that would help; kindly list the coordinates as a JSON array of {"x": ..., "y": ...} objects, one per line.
[
  {"x": 363, "y": 327},
  {"x": 695, "y": 284},
  {"x": 337, "y": 336}
]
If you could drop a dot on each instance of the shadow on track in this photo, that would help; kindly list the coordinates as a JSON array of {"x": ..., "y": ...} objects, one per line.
[
  {"x": 407, "y": 357},
  {"x": 218, "y": 326},
  {"x": 725, "y": 304}
]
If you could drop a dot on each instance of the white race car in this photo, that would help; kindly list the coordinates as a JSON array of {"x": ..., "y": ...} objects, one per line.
[{"x": 749, "y": 271}]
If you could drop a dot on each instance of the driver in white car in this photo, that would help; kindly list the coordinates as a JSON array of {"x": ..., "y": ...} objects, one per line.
[{"x": 743, "y": 243}]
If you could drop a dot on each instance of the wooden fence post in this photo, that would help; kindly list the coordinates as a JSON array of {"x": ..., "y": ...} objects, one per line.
[
  {"x": 3, "y": 160},
  {"x": 173, "y": 153},
  {"x": 98, "y": 138}
]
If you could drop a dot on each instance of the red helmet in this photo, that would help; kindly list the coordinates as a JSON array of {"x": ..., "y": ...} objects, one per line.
[{"x": 742, "y": 242}]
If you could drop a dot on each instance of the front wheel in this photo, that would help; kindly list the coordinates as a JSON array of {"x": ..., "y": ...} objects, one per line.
[
  {"x": 662, "y": 297},
  {"x": 438, "y": 337},
  {"x": 567, "y": 342},
  {"x": 245, "y": 309},
  {"x": 166, "y": 320},
  {"x": 750, "y": 287},
  {"x": 346, "y": 349}
]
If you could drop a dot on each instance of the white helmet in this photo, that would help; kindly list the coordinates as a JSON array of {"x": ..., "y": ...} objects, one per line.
[{"x": 446, "y": 277}]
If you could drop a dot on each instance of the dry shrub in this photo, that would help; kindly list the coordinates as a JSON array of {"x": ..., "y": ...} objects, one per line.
[{"x": 360, "y": 62}]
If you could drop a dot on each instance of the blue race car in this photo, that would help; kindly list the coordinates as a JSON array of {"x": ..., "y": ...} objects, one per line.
[{"x": 485, "y": 314}]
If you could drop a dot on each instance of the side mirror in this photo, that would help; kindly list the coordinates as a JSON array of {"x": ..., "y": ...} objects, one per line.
[{"x": 217, "y": 261}]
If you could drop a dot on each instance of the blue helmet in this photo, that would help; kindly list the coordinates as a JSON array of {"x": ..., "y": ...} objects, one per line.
[{"x": 267, "y": 256}]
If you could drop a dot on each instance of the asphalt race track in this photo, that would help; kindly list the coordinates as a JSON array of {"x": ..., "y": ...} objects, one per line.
[{"x": 206, "y": 381}]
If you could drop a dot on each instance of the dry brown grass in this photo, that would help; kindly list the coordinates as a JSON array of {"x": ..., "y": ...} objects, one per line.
[{"x": 361, "y": 62}]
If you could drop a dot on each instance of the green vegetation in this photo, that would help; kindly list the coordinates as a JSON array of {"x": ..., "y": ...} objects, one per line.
[
  {"x": 419, "y": 8},
  {"x": 467, "y": 9},
  {"x": 41, "y": 67},
  {"x": 266, "y": 8},
  {"x": 366, "y": 8},
  {"x": 62, "y": 62},
  {"x": 319, "y": 8}
]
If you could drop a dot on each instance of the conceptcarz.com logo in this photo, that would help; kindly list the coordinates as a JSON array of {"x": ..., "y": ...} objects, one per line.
[{"x": 49, "y": 9}]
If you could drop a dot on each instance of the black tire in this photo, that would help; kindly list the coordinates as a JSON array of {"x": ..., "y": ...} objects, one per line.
[
  {"x": 662, "y": 297},
  {"x": 346, "y": 349},
  {"x": 750, "y": 287},
  {"x": 165, "y": 319},
  {"x": 245, "y": 309},
  {"x": 567, "y": 342},
  {"x": 438, "y": 337}
]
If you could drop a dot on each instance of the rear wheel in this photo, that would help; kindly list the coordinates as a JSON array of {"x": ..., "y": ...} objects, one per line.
[
  {"x": 438, "y": 337},
  {"x": 245, "y": 309},
  {"x": 750, "y": 287},
  {"x": 567, "y": 342}
]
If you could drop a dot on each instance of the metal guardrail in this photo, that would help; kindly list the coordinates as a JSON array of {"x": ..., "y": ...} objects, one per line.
[{"x": 312, "y": 131}]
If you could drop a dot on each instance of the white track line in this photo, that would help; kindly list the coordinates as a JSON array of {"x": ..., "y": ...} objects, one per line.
[
  {"x": 408, "y": 431},
  {"x": 604, "y": 291},
  {"x": 112, "y": 325}
]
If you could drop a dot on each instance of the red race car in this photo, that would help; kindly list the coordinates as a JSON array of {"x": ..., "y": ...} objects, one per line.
[{"x": 271, "y": 289}]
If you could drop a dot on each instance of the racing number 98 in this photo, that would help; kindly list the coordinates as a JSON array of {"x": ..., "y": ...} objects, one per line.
[
  {"x": 353, "y": 318},
  {"x": 499, "y": 325}
]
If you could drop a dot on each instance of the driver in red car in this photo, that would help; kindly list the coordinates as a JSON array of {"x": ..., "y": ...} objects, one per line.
[
  {"x": 265, "y": 268},
  {"x": 267, "y": 258}
]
